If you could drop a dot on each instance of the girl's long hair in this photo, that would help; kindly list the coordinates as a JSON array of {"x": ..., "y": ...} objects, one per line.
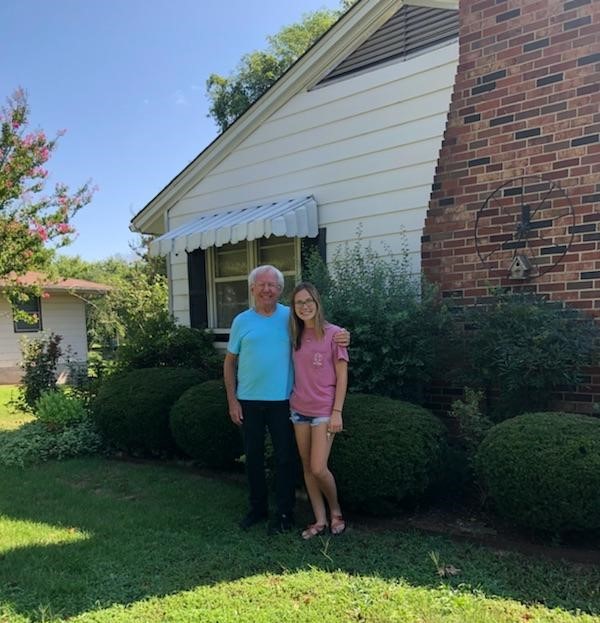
[{"x": 296, "y": 324}]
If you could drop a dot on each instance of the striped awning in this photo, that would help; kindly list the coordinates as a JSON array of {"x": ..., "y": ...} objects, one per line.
[{"x": 294, "y": 218}]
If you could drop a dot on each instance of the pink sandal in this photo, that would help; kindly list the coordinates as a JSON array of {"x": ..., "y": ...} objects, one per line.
[
  {"x": 338, "y": 525},
  {"x": 314, "y": 530}
]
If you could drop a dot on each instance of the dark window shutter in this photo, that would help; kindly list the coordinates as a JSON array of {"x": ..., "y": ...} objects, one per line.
[
  {"x": 196, "y": 261},
  {"x": 311, "y": 244}
]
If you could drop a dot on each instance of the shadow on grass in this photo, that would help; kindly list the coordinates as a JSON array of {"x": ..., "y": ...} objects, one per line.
[{"x": 154, "y": 530}]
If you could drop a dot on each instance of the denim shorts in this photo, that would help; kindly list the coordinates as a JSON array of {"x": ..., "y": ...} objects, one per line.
[{"x": 298, "y": 418}]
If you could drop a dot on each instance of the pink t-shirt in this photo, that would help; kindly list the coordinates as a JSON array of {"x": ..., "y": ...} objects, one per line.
[{"x": 314, "y": 372}]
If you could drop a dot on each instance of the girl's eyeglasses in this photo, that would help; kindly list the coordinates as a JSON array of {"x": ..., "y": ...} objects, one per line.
[{"x": 307, "y": 303}]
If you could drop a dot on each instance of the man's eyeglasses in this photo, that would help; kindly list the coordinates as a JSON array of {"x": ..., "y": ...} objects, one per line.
[
  {"x": 307, "y": 303},
  {"x": 262, "y": 285}
]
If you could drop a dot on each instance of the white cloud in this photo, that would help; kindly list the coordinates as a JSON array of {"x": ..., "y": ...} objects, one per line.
[{"x": 180, "y": 98}]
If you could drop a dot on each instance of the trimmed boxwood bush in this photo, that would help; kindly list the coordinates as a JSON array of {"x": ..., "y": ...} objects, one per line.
[
  {"x": 390, "y": 451},
  {"x": 132, "y": 410},
  {"x": 201, "y": 426},
  {"x": 542, "y": 471}
]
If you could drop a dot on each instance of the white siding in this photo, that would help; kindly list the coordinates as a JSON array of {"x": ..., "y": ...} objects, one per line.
[
  {"x": 10, "y": 352},
  {"x": 366, "y": 147},
  {"x": 62, "y": 314}
]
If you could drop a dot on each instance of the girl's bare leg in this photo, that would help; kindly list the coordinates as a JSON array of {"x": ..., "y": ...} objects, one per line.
[
  {"x": 304, "y": 441},
  {"x": 320, "y": 448}
]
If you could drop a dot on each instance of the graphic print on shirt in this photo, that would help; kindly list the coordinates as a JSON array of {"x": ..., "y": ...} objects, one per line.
[{"x": 317, "y": 360}]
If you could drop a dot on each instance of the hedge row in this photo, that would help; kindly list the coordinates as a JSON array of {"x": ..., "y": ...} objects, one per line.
[
  {"x": 391, "y": 451},
  {"x": 539, "y": 470}
]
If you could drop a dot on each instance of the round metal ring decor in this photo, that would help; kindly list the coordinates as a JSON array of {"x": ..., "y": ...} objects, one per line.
[{"x": 525, "y": 227}]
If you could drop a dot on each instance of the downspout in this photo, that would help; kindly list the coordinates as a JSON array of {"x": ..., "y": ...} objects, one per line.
[{"x": 169, "y": 270}]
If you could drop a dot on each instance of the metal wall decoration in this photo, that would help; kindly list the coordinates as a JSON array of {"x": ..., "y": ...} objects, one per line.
[{"x": 525, "y": 227}]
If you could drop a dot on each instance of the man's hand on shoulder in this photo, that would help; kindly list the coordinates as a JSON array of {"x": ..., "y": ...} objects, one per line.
[{"x": 342, "y": 338}]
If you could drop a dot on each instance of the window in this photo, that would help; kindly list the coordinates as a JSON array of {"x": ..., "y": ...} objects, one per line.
[
  {"x": 227, "y": 274},
  {"x": 34, "y": 309}
]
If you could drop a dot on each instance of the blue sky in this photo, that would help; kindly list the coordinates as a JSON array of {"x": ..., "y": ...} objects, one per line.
[{"x": 126, "y": 79}]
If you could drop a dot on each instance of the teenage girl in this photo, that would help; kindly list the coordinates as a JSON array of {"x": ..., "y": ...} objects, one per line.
[{"x": 316, "y": 403}]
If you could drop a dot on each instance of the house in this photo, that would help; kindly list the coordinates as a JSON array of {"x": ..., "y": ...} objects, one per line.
[
  {"x": 348, "y": 137},
  {"x": 474, "y": 129},
  {"x": 61, "y": 309},
  {"x": 515, "y": 198}
]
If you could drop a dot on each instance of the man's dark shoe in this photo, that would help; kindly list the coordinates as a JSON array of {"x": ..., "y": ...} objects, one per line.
[
  {"x": 281, "y": 524},
  {"x": 251, "y": 519}
]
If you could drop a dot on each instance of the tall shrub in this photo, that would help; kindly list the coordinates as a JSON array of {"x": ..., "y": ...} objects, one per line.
[
  {"x": 162, "y": 343},
  {"x": 525, "y": 347},
  {"x": 39, "y": 362},
  {"x": 401, "y": 333}
]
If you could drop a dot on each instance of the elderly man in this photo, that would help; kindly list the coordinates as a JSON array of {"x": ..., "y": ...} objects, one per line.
[{"x": 258, "y": 378}]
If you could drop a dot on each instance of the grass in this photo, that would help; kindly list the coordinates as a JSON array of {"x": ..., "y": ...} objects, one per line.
[
  {"x": 103, "y": 541},
  {"x": 9, "y": 419}
]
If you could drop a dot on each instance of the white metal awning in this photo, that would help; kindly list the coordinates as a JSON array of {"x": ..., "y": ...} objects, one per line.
[{"x": 294, "y": 218}]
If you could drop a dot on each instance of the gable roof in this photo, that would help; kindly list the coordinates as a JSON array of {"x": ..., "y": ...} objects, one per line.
[
  {"x": 348, "y": 33},
  {"x": 33, "y": 278}
]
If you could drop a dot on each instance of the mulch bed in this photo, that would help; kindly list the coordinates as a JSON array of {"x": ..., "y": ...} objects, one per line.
[{"x": 475, "y": 526}]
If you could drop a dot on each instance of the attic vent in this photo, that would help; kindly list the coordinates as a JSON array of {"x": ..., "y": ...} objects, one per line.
[{"x": 409, "y": 30}]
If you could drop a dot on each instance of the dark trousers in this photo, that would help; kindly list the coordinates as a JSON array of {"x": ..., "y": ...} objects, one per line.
[{"x": 274, "y": 415}]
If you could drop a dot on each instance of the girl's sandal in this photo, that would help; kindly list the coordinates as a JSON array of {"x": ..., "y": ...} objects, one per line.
[
  {"x": 314, "y": 530},
  {"x": 338, "y": 525}
]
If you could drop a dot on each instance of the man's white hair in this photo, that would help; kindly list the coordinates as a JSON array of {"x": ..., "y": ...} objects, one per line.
[{"x": 265, "y": 268}]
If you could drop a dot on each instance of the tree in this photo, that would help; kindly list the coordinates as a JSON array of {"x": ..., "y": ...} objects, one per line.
[
  {"x": 31, "y": 222},
  {"x": 136, "y": 303},
  {"x": 231, "y": 96}
]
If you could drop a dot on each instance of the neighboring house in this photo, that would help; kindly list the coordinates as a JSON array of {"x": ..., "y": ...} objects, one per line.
[
  {"x": 61, "y": 309},
  {"x": 349, "y": 137}
]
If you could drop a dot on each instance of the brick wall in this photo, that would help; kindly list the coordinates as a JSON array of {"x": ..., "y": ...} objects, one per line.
[{"x": 519, "y": 169}]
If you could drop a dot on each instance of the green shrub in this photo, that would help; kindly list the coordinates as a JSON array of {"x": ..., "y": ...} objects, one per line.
[
  {"x": 401, "y": 333},
  {"x": 201, "y": 426},
  {"x": 132, "y": 410},
  {"x": 472, "y": 423},
  {"x": 542, "y": 471},
  {"x": 58, "y": 409},
  {"x": 85, "y": 381},
  {"x": 390, "y": 451},
  {"x": 165, "y": 344},
  {"x": 524, "y": 347},
  {"x": 39, "y": 362},
  {"x": 35, "y": 442}
]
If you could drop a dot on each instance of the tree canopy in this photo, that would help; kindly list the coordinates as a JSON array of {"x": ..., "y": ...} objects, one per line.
[
  {"x": 31, "y": 220},
  {"x": 231, "y": 96},
  {"x": 135, "y": 306}
]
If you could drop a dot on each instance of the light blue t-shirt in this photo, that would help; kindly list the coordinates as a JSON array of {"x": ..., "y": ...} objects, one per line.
[{"x": 263, "y": 347}]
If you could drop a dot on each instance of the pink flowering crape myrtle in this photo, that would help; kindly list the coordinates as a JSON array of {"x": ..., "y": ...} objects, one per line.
[{"x": 32, "y": 221}]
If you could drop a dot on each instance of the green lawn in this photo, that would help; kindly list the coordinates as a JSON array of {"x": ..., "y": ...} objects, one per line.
[
  {"x": 8, "y": 418},
  {"x": 105, "y": 541}
]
